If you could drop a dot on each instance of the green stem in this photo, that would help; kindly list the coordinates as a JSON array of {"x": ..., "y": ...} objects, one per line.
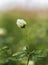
[{"x": 28, "y": 61}]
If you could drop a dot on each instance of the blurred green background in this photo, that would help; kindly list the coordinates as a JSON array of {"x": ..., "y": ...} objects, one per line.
[{"x": 36, "y": 32}]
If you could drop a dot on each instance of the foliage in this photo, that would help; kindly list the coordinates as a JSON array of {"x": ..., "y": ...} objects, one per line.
[{"x": 34, "y": 38}]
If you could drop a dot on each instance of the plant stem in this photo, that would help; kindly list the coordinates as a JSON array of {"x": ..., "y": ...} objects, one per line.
[{"x": 28, "y": 61}]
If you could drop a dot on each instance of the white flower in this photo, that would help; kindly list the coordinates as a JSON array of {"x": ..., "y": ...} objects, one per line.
[
  {"x": 2, "y": 32},
  {"x": 21, "y": 23}
]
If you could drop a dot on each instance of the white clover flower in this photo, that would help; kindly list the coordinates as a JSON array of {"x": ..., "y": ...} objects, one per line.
[
  {"x": 21, "y": 23},
  {"x": 2, "y": 32}
]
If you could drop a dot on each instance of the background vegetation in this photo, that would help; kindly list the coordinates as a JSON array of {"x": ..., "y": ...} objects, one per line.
[{"x": 19, "y": 46}]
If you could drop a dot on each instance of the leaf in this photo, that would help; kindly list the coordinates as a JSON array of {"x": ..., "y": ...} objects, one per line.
[
  {"x": 5, "y": 47},
  {"x": 19, "y": 55}
]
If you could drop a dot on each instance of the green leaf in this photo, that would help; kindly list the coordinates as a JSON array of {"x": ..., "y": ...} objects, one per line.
[{"x": 19, "y": 55}]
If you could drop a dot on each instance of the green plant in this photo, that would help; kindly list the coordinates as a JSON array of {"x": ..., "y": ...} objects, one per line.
[{"x": 34, "y": 40}]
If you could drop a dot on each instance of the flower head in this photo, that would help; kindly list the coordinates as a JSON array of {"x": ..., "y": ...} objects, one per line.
[{"x": 21, "y": 23}]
